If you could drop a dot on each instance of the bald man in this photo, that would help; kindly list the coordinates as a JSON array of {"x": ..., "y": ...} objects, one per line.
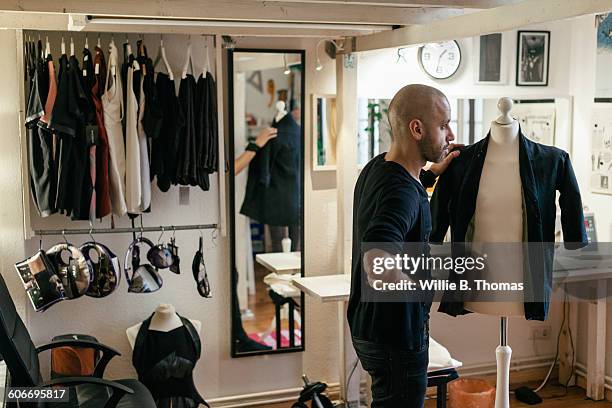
[{"x": 391, "y": 207}]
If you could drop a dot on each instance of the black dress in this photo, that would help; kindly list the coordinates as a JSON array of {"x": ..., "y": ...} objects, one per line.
[
  {"x": 164, "y": 362},
  {"x": 165, "y": 148}
]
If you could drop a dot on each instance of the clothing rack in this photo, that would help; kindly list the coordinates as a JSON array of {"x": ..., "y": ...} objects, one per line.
[{"x": 163, "y": 228}]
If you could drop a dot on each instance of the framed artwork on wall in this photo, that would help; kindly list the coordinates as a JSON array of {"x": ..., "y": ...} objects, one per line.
[
  {"x": 603, "y": 73},
  {"x": 537, "y": 121},
  {"x": 532, "y": 58},
  {"x": 489, "y": 66}
]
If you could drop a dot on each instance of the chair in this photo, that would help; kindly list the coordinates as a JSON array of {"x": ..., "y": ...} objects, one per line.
[{"x": 21, "y": 358}]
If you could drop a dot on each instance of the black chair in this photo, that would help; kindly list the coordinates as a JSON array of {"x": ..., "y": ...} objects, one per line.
[{"x": 21, "y": 358}]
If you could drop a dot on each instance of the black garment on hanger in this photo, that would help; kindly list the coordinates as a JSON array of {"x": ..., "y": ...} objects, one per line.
[
  {"x": 165, "y": 361},
  {"x": 165, "y": 148},
  {"x": 43, "y": 73},
  {"x": 202, "y": 137},
  {"x": 212, "y": 162},
  {"x": 70, "y": 115},
  {"x": 128, "y": 60},
  {"x": 273, "y": 190},
  {"x": 186, "y": 173},
  {"x": 153, "y": 113},
  {"x": 207, "y": 130},
  {"x": 40, "y": 149}
]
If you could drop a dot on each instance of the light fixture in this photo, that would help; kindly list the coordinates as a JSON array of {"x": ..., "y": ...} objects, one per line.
[
  {"x": 319, "y": 66},
  {"x": 224, "y": 24}
]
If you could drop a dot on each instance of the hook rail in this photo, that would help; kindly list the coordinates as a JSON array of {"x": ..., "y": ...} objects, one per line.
[{"x": 86, "y": 231}]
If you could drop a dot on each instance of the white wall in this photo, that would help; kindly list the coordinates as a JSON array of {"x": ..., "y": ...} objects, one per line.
[
  {"x": 217, "y": 374},
  {"x": 582, "y": 86}
]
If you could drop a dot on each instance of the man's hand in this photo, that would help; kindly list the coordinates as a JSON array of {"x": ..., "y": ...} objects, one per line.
[
  {"x": 439, "y": 168},
  {"x": 265, "y": 135}
]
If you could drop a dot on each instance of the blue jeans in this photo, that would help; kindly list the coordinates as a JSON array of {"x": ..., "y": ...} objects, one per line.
[{"x": 399, "y": 377}]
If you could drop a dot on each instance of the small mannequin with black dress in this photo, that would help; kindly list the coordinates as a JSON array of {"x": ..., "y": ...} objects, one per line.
[{"x": 166, "y": 348}]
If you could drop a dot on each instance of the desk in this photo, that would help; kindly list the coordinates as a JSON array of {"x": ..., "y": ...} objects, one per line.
[
  {"x": 280, "y": 262},
  {"x": 597, "y": 272}
]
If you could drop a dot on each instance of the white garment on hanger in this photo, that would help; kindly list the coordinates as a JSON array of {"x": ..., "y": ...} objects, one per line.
[
  {"x": 112, "y": 103},
  {"x": 133, "y": 179},
  {"x": 145, "y": 171}
]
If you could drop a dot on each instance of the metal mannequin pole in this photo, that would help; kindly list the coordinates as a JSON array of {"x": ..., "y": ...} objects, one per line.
[{"x": 503, "y": 355}]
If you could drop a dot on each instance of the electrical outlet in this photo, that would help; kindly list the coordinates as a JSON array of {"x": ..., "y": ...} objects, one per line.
[{"x": 541, "y": 332}]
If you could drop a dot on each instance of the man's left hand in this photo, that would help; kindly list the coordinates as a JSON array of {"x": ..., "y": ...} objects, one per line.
[{"x": 439, "y": 168}]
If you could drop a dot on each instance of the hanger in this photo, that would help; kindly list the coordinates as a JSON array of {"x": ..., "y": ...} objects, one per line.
[
  {"x": 161, "y": 55},
  {"x": 91, "y": 236},
  {"x": 71, "y": 47},
  {"x": 47, "y": 46},
  {"x": 64, "y": 236},
  {"x": 188, "y": 61},
  {"x": 161, "y": 235},
  {"x": 63, "y": 46},
  {"x": 128, "y": 45},
  {"x": 98, "y": 44},
  {"x": 86, "y": 43},
  {"x": 206, "y": 68},
  {"x": 214, "y": 235}
]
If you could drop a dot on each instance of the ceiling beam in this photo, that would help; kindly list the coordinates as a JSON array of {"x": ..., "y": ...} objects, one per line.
[
  {"x": 238, "y": 10},
  {"x": 469, "y": 4},
  {"x": 498, "y": 19}
]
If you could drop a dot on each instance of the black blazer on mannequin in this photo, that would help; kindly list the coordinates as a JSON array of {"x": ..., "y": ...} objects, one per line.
[{"x": 544, "y": 170}]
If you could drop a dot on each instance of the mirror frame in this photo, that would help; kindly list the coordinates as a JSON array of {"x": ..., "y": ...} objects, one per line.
[
  {"x": 232, "y": 194},
  {"x": 314, "y": 120}
]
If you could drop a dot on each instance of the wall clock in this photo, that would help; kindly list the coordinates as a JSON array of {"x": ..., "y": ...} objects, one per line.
[{"x": 440, "y": 60}]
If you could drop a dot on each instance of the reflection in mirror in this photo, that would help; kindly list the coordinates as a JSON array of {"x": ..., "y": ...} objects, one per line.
[
  {"x": 544, "y": 121},
  {"x": 325, "y": 132},
  {"x": 266, "y": 198}
]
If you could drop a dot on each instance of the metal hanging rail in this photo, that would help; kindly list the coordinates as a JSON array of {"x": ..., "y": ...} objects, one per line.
[{"x": 85, "y": 231}]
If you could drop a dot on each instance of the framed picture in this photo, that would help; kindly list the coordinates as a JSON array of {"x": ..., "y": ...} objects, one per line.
[
  {"x": 324, "y": 132},
  {"x": 537, "y": 121},
  {"x": 603, "y": 74},
  {"x": 533, "y": 49},
  {"x": 489, "y": 66}
]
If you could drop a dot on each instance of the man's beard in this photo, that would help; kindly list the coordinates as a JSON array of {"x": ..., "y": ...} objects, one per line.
[{"x": 430, "y": 152}]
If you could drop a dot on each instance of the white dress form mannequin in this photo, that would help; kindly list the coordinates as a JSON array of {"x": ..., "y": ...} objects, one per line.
[
  {"x": 498, "y": 218},
  {"x": 280, "y": 111},
  {"x": 164, "y": 319}
]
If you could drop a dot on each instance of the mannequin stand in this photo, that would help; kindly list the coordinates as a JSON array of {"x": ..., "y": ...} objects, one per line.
[{"x": 503, "y": 354}]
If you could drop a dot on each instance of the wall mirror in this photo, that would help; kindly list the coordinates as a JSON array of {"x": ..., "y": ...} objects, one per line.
[
  {"x": 266, "y": 89},
  {"x": 546, "y": 121},
  {"x": 324, "y": 132}
]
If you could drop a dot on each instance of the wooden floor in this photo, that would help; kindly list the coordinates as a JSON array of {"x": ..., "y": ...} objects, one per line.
[
  {"x": 553, "y": 396},
  {"x": 260, "y": 304}
]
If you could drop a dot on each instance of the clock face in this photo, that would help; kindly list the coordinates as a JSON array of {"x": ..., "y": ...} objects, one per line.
[{"x": 440, "y": 60}]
